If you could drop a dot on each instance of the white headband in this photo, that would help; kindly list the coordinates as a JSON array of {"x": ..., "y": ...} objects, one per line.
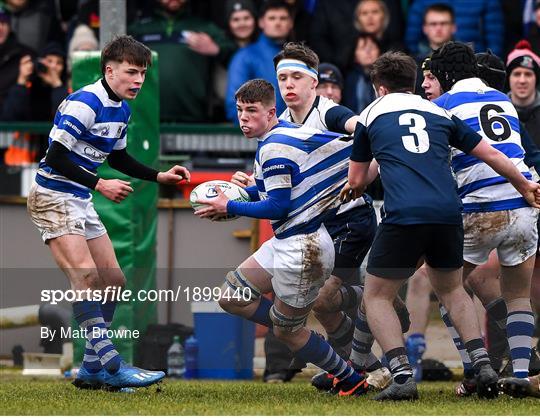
[{"x": 296, "y": 65}]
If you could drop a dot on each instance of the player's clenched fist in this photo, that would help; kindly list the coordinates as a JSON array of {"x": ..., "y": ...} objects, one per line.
[{"x": 115, "y": 190}]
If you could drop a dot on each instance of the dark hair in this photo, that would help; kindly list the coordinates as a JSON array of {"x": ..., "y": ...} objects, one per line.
[
  {"x": 125, "y": 48},
  {"x": 297, "y": 51},
  {"x": 256, "y": 90},
  {"x": 440, "y": 8},
  {"x": 366, "y": 36},
  {"x": 274, "y": 4},
  {"x": 394, "y": 70}
]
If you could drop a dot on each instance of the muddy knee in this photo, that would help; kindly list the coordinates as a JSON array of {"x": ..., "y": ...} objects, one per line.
[{"x": 89, "y": 279}]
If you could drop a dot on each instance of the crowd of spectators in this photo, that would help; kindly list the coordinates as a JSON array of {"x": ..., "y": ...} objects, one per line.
[{"x": 208, "y": 48}]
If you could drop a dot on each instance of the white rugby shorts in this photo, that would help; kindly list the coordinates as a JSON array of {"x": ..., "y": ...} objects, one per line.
[
  {"x": 513, "y": 233},
  {"x": 299, "y": 265},
  {"x": 57, "y": 213}
]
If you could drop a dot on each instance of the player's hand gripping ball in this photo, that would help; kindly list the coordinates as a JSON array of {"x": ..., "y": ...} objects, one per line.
[{"x": 207, "y": 191}]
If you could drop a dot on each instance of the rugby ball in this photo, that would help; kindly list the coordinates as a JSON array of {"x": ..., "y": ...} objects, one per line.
[{"x": 207, "y": 190}]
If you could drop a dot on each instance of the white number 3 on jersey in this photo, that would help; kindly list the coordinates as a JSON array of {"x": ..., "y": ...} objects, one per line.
[{"x": 418, "y": 142}]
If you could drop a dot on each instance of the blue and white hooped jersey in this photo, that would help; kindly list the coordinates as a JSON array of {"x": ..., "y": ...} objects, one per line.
[
  {"x": 313, "y": 163},
  {"x": 90, "y": 125},
  {"x": 492, "y": 115},
  {"x": 317, "y": 118}
]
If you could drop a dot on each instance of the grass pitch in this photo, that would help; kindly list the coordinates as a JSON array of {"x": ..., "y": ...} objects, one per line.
[{"x": 44, "y": 396}]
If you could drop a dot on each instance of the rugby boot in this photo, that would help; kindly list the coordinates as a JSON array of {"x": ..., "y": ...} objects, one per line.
[
  {"x": 521, "y": 388},
  {"x": 486, "y": 382},
  {"x": 88, "y": 380},
  {"x": 129, "y": 376},
  {"x": 405, "y": 391},
  {"x": 467, "y": 387},
  {"x": 379, "y": 379},
  {"x": 343, "y": 388},
  {"x": 323, "y": 381}
]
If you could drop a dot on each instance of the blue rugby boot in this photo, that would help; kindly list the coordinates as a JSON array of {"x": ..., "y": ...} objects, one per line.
[
  {"x": 129, "y": 376},
  {"x": 88, "y": 380}
]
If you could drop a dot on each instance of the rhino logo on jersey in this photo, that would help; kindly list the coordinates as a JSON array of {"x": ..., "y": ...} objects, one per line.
[
  {"x": 119, "y": 132},
  {"x": 105, "y": 131},
  {"x": 94, "y": 154}
]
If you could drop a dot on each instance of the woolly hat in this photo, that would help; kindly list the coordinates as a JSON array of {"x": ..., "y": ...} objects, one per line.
[
  {"x": 236, "y": 5},
  {"x": 522, "y": 56},
  {"x": 83, "y": 37},
  {"x": 329, "y": 73}
]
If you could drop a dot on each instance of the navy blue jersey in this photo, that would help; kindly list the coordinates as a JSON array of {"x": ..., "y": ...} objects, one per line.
[{"x": 410, "y": 138}]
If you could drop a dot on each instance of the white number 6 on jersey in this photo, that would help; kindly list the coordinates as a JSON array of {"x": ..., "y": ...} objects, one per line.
[{"x": 418, "y": 142}]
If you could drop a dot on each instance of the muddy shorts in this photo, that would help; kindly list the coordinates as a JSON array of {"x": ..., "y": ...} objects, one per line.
[
  {"x": 513, "y": 233},
  {"x": 57, "y": 213},
  {"x": 299, "y": 265}
]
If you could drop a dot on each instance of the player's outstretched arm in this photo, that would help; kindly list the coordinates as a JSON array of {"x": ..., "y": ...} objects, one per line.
[
  {"x": 120, "y": 160},
  {"x": 502, "y": 165}
]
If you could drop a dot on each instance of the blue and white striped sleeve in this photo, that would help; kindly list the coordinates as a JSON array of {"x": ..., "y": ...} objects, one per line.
[{"x": 72, "y": 119}]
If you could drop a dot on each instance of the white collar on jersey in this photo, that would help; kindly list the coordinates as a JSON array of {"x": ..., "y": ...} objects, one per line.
[{"x": 469, "y": 84}]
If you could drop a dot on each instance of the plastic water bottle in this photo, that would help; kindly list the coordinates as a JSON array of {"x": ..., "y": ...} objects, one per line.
[
  {"x": 192, "y": 357},
  {"x": 175, "y": 359},
  {"x": 416, "y": 346}
]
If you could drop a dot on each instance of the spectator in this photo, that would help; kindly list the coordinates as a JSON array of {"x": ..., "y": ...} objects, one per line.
[
  {"x": 479, "y": 22},
  {"x": 332, "y": 32},
  {"x": 330, "y": 82},
  {"x": 359, "y": 92},
  {"x": 187, "y": 46},
  {"x": 534, "y": 30},
  {"x": 372, "y": 17},
  {"x": 83, "y": 39},
  {"x": 40, "y": 88},
  {"x": 35, "y": 22},
  {"x": 439, "y": 27},
  {"x": 242, "y": 30},
  {"x": 241, "y": 22},
  {"x": 11, "y": 52},
  {"x": 523, "y": 69},
  {"x": 256, "y": 60}
]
